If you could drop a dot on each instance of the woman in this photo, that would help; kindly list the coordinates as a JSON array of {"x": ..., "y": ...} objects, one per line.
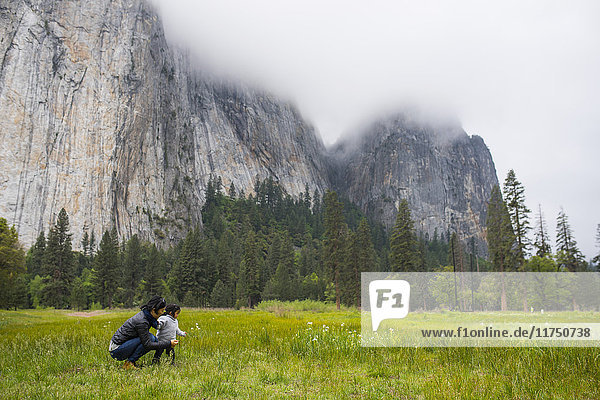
[{"x": 133, "y": 339}]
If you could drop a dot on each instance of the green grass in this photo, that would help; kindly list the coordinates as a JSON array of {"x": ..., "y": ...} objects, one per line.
[{"x": 279, "y": 351}]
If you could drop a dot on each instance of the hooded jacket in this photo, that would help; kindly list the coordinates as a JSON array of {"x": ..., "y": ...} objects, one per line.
[{"x": 139, "y": 326}]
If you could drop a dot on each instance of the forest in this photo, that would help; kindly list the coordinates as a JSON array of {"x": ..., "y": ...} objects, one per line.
[{"x": 271, "y": 246}]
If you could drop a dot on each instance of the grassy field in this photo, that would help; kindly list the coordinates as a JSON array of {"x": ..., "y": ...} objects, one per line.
[{"x": 278, "y": 351}]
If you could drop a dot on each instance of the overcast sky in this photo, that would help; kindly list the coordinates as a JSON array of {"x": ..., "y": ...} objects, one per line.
[{"x": 524, "y": 75}]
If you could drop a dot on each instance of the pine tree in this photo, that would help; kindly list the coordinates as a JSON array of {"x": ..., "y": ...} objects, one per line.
[
  {"x": 335, "y": 235},
  {"x": 541, "y": 242},
  {"x": 403, "y": 243},
  {"x": 568, "y": 254},
  {"x": 182, "y": 278},
  {"x": 107, "y": 268},
  {"x": 361, "y": 258},
  {"x": 35, "y": 256},
  {"x": 59, "y": 264},
  {"x": 248, "y": 288},
  {"x": 273, "y": 257},
  {"x": 12, "y": 267},
  {"x": 514, "y": 193},
  {"x": 220, "y": 296},
  {"x": 132, "y": 269},
  {"x": 153, "y": 283},
  {"x": 500, "y": 237},
  {"x": 287, "y": 263}
]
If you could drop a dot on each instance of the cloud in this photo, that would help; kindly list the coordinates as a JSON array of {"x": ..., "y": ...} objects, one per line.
[{"x": 523, "y": 75}]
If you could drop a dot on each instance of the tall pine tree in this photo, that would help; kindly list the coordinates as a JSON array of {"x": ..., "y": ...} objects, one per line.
[
  {"x": 335, "y": 237},
  {"x": 248, "y": 288},
  {"x": 403, "y": 243},
  {"x": 107, "y": 269},
  {"x": 542, "y": 240},
  {"x": 500, "y": 237},
  {"x": 514, "y": 194},
  {"x": 59, "y": 264},
  {"x": 568, "y": 255},
  {"x": 12, "y": 267}
]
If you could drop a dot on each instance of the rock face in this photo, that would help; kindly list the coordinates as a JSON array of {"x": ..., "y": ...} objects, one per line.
[
  {"x": 446, "y": 176},
  {"x": 100, "y": 116}
]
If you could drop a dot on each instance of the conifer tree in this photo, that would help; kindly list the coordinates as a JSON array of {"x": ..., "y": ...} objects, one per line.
[
  {"x": 335, "y": 234},
  {"x": 107, "y": 268},
  {"x": 361, "y": 258},
  {"x": 153, "y": 283},
  {"x": 12, "y": 267},
  {"x": 514, "y": 193},
  {"x": 568, "y": 254},
  {"x": 403, "y": 243},
  {"x": 220, "y": 296},
  {"x": 248, "y": 288},
  {"x": 500, "y": 237},
  {"x": 59, "y": 264},
  {"x": 287, "y": 263},
  {"x": 132, "y": 269},
  {"x": 35, "y": 255},
  {"x": 542, "y": 242}
]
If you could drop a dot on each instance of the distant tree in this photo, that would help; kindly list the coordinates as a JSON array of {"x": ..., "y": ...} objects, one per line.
[
  {"x": 568, "y": 255},
  {"x": 273, "y": 257},
  {"x": 514, "y": 194},
  {"x": 182, "y": 278},
  {"x": 403, "y": 243},
  {"x": 541, "y": 242},
  {"x": 360, "y": 258},
  {"x": 35, "y": 255},
  {"x": 107, "y": 268},
  {"x": 132, "y": 269},
  {"x": 13, "y": 291},
  {"x": 59, "y": 264},
  {"x": 500, "y": 234},
  {"x": 220, "y": 296},
  {"x": 335, "y": 236},
  {"x": 500, "y": 237},
  {"x": 153, "y": 282},
  {"x": 248, "y": 288}
]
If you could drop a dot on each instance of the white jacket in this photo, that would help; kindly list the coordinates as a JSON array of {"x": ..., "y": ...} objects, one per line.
[{"x": 168, "y": 328}]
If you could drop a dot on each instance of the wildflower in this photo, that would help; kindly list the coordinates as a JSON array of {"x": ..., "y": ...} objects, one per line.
[{"x": 309, "y": 323}]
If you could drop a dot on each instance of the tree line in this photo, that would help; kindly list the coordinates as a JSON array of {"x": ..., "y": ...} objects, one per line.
[
  {"x": 264, "y": 246},
  {"x": 509, "y": 225}
]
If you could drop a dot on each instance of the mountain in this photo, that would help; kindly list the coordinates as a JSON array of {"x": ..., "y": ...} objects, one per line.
[
  {"x": 101, "y": 116},
  {"x": 446, "y": 175},
  {"x": 98, "y": 114}
]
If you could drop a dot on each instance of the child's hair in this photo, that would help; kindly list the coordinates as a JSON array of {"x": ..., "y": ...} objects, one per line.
[
  {"x": 155, "y": 303},
  {"x": 172, "y": 309}
]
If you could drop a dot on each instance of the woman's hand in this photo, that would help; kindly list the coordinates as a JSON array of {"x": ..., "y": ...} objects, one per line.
[{"x": 174, "y": 343}]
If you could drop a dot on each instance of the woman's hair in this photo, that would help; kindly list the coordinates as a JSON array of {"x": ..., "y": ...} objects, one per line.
[
  {"x": 155, "y": 303},
  {"x": 172, "y": 309}
]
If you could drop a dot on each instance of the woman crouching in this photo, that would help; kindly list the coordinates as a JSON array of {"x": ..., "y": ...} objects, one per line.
[{"x": 133, "y": 339}]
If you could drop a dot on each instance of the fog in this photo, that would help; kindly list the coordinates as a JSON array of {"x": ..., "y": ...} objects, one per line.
[{"x": 523, "y": 75}]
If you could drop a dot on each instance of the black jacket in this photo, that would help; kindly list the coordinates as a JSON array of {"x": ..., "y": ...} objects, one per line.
[{"x": 138, "y": 326}]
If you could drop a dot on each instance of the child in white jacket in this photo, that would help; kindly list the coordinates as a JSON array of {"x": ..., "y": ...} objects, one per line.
[{"x": 168, "y": 328}]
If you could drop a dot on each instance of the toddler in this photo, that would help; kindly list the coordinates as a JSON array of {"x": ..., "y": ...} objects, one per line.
[{"x": 168, "y": 329}]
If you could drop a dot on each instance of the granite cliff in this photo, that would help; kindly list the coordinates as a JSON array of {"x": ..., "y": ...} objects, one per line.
[
  {"x": 446, "y": 175},
  {"x": 101, "y": 116},
  {"x": 98, "y": 114}
]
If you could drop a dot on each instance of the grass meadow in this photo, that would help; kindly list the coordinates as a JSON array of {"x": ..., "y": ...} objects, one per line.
[{"x": 300, "y": 350}]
